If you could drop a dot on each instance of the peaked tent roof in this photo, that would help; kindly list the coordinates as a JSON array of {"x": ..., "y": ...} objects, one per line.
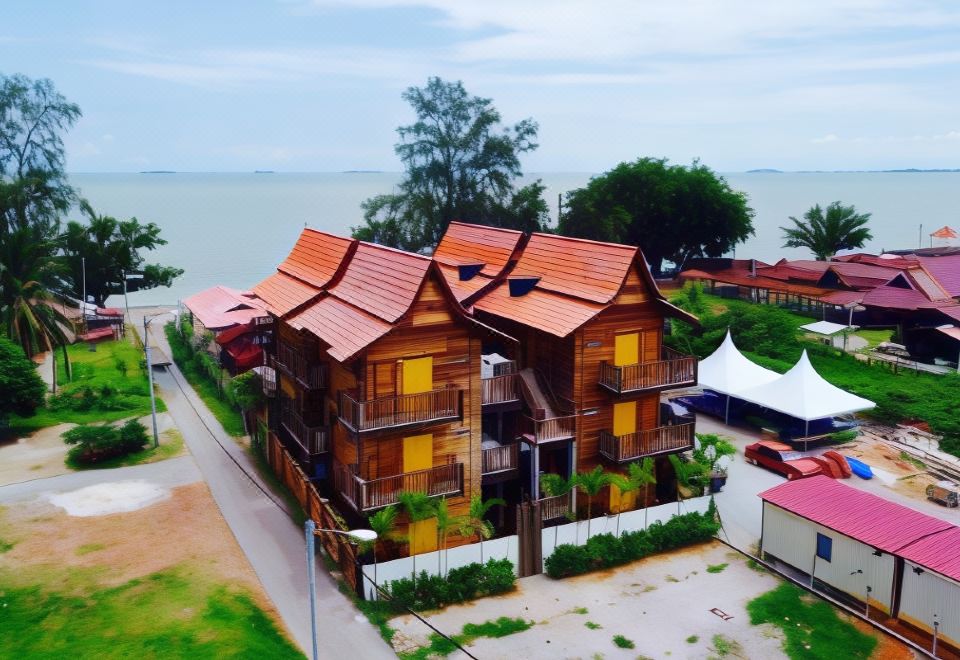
[
  {"x": 945, "y": 232},
  {"x": 729, "y": 371},
  {"x": 804, "y": 394}
]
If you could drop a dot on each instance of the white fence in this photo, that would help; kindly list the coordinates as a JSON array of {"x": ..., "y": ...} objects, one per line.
[
  {"x": 502, "y": 548},
  {"x": 630, "y": 521}
]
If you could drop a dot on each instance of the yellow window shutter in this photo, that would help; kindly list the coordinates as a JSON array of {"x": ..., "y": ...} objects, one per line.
[
  {"x": 418, "y": 452},
  {"x": 418, "y": 375},
  {"x": 626, "y": 349},
  {"x": 422, "y": 536},
  {"x": 625, "y": 418}
]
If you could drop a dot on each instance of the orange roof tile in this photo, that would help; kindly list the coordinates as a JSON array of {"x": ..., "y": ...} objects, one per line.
[
  {"x": 316, "y": 257},
  {"x": 282, "y": 293},
  {"x": 585, "y": 269},
  {"x": 382, "y": 280},
  {"x": 346, "y": 329},
  {"x": 462, "y": 289},
  {"x": 466, "y": 243},
  {"x": 550, "y": 312},
  {"x": 945, "y": 232}
]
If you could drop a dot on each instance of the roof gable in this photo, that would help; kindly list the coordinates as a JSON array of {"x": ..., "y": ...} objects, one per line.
[
  {"x": 465, "y": 243},
  {"x": 316, "y": 257}
]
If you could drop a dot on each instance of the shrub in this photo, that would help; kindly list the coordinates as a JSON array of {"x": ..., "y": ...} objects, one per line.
[
  {"x": 133, "y": 436},
  {"x": 97, "y": 443},
  {"x": 567, "y": 560},
  {"x": 623, "y": 642},
  {"x": 461, "y": 584}
]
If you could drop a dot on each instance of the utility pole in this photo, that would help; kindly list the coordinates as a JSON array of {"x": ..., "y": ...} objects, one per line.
[
  {"x": 126, "y": 302},
  {"x": 83, "y": 302},
  {"x": 559, "y": 207}
]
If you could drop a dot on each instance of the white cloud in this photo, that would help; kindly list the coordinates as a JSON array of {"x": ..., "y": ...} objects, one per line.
[{"x": 826, "y": 138}]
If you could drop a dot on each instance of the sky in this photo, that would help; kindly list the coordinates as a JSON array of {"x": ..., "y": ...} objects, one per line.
[{"x": 315, "y": 85}]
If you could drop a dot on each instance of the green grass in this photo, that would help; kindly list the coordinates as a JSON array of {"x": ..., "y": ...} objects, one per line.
[
  {"x": 6, "y": 546},
  {"x": 811, "y": 627},
  {"x": 623, "y": 642},
  {"x": 693, "y": 639},
  {"x": 228, "y": 416},
  {"x": 171, "y": 444},
  {"x": 88, "y": 548},
  {"x": 915, "y": 462},
  {"x": 170, "y": 614},
  {"x": 724, "y": 646},
  {"x": 442, "y": 647},
  {"x": 874, "y": 337},
  {"x": 593, "y": 626},
  {"x": 716, "y": 568},
  {"x": 580, "y": 610}
]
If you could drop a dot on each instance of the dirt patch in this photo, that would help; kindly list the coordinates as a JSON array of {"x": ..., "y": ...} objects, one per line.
[
  {"x": 887, "y": 647},
  {"x": 883, "y": 456},
  {"x": 38, "y": 456}
]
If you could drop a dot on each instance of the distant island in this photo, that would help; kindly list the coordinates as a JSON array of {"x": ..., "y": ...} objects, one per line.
[
  {"x": 765, "y": 170},
  {"x": 362, "y": 172},
  {"x": 158, "y": 172},
  {"x": 264, "y": 172}
]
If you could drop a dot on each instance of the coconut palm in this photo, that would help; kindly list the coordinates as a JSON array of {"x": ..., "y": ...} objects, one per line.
[
  {"x": 418, "y": 506},
  {"x": 475, "y": 522},
  {"x": 446, "y": 524},
  {"x": 590, "y": 484},
  {"x": 828, "y": 231},
  {"x": 382, "y": 522},
  {"x": 643, "y": 475}
]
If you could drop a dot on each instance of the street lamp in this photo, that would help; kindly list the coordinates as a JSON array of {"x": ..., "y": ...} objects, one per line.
[
  {"x": 146, "y": 349},
  {"x": 310, "y": 531}
]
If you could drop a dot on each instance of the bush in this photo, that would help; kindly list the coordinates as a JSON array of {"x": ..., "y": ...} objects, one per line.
[
  {"x": 98, "y": 443},
  {"x": 606, "y": 550},
  {"x": 461, "y": 584}
]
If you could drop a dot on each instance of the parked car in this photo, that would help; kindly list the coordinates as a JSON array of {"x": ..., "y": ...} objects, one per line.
[
  {"x": 782, "y": 458},
  {"x": 946, "y": 493}
]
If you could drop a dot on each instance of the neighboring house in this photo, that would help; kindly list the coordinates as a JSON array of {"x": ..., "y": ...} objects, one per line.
[{"x": 238, "y": 322}]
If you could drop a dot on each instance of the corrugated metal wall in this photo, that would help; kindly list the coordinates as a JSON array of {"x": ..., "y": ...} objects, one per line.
[
  {"x": 930, "y": 594},
  {"x": 793, "y": 539}
]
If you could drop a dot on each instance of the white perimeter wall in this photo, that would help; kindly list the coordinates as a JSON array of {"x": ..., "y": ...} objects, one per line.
[
  {"x": 793, "y": 539},
  {"x": 508, "y": 546},
  {"x": 927, "y": 595}
]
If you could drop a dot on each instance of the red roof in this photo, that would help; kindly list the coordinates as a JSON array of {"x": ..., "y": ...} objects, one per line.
[
  {"x": 382, "y": 280},
  {"x": 893, "y": 297},
  {"x": 222, "y": 307},
  {"x": 842, "y": 297},
  {"x": 346, "y": 329},
  {"x": 937, "y": 553},
  {"x": 873, "y": 520},
  {"x": 947, "y": 271},
  {"x": 282, "y": 293},
  {"x": 464, "y": 243},
  {"x": 462, "y": 289},
  {"x": 556, "y": 314},
  {"x": 316, "y": 257}
]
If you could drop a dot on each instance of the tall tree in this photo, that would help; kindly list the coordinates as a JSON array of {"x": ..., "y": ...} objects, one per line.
[
  {"x": 112, "y": 248},
  {"x": 590, "y": 484},
  {"x": 460, "y": 164},
  {"x": 21, "y": 388},
  {"x": 827, "y": 232},
  {"x": 673, "y": 212}
]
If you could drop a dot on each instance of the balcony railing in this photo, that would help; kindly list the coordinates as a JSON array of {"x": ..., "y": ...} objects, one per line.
[
  {"x": 500, "y": 389},
  {"x": 661, "y": 440},
  {"x": 672, "y": 370},
  {"x": 551, "y": 429},
  {"x": 291, "y": 361},
  {"x": 268, "y": 382},
  {"x": 366, "y": 495},
  {"x": 500, "y": 459},
  {"x": 391, "y": 411},
  {"x": 312, "y": 439},
  {"x": 555, "y": 507}
]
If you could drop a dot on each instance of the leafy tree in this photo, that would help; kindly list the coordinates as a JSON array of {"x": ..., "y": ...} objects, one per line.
[
  {"x": 111, "y": 249},
  {"x": 460, "y": 165},
  {"x": 591, "y": 483},
  {"x": 673, "y": 212},
  {"x": 826, "y": 232},
  {"x": 245, "y": 390},
  {"x": 21, "y": 388},
  {"x": 475, "y": 522}
]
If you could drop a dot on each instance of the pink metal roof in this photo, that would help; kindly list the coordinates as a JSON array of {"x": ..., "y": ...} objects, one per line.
[
  {"x": 946, "y": 269},
  {"x": 222, "y": 307},
  {"x": 867, "y": 518},
  {"x": 937, "y": 552}
]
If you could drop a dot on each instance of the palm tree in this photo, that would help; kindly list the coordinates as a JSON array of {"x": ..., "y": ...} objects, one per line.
[
  {"x": 445, "y": 525},
  {"x": 476, "y": 521},
  {"x": 643, "y": 475},
  {"x": 382, "y": 522},
  {"x": 591, "y": 483},
  {"x": 625, "y": 485},
  {"x": 826, "y": 233},
  {"x": 419, "y": 507}
]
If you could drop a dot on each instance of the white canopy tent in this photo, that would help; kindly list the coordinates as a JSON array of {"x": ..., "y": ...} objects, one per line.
[
  {"x": 728, "y": 371},
  {"x": 804, "y": 394}
]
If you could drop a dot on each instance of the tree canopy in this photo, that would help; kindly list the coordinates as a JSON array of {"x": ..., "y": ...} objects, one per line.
[
  {"x": 112, "y": 248},
  {"x": 21, "y": 388},
  {"x": 460, "y": 164},
  {"x": 673, "y": 212},
  {"x": 827, "y": 232}
]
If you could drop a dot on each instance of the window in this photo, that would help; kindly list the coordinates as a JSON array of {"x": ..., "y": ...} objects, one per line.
[{"x": 824, "y": 547}]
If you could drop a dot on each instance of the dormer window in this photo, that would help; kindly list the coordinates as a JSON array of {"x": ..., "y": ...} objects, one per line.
[
  {"x": 468, "y": 271},
  {"x": 521, "y": 285}
]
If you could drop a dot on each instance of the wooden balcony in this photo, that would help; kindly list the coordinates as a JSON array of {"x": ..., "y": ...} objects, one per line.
[
  {"x": 652, "y": 442},
  {"x": 672, "y": 370},
  {"x": 551, "y": 429},
  {"x": 311, "y": 374},
  {"x": 313, "y": 440},
  {"x": 500, "y": 390},
  {"x": 500, "y": 459},
  {"x": 552, "y": 508},
  {"x": 367, "y": 495},
  {"x": 435, "y": 406}
]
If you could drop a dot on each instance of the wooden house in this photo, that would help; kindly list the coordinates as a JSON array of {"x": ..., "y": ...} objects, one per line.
[{"x": 588, "y": 319}]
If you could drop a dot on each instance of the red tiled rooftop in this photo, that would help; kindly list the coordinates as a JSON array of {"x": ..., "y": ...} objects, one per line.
[
  {"x": 222, "y": 307},
  {"x": 382, "y": 280},
  {"x": 346, "y": 329},
  {"x": 316, "y": 257},
  {"x": 550, "y": 312},
  {"x": 282, "y": 293},
  {"x": 465, "y": 243},
  {"x": 947, "y": 271}
]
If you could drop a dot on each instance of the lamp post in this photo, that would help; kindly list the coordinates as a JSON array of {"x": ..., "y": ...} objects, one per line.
[
  {"x": 146, "y": 350},
  {"x": 310, "y": 532}
]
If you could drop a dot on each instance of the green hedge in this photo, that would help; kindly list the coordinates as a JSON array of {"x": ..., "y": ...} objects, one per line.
[
  {"x": 431, "y": 592},
  {"x": 606, "y": 550},
  {"x": 92, "y": 444}
]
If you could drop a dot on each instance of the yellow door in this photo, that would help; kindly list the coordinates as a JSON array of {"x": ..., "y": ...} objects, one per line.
[
  {"x": 417, "y": 375},
  {"x": 422, "y": 536},
  {"x": 626, "y": 349},
  {"x": 418, "y": 452},
  {"x": 625, "y": 418}
]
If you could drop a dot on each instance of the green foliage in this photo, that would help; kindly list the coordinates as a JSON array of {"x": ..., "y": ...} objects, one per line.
[
  {"x": 383, "y": 522},
  {"x": 475, "y": 522},
  {"x": 121, "y": 366},
  {"x": 716, "y": 568},
  {"x": 92, "y": 444},
  {"x": 245, "y": 390},
  {"x": 693, "y": 639},
  {"x": 711, "y": 448},
  {"x": 674, "y": 212},
  {"x": 827, "y": 232},
  {"x": 554, "y": 485},
  {"x": 592, "y": 625},
  {"x": 441, "y": 647},
  {"x": 461, "y": 584},
  {"x": 810, "y": 626},
  {"x": 839, "y": 437},
  {"x": 21, "y": 388},
  {"x": 724, "y": 646},
  {"x": 459, "y": 165},
  {"x": 606, "y": 550},
  {"x": 623, "y": 642}
]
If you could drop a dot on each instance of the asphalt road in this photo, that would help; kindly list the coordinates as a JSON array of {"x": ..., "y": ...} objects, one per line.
[{"x": 273, "y": 544}]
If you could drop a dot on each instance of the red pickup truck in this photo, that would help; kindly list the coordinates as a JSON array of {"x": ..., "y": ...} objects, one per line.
[{"x": 782, "y": 458}]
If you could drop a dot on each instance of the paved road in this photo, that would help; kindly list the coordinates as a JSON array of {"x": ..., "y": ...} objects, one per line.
[
  {"x": 170, "y": 473},
  {"x": 273, "y": 544}
]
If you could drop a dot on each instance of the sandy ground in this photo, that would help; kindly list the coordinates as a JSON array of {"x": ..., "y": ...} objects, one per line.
[
  {"x": 658, "y": 603},
  {"x": 42, "y": 454}
]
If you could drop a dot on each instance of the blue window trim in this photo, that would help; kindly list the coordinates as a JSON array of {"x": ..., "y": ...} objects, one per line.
[{"x": 824, "y": 547}]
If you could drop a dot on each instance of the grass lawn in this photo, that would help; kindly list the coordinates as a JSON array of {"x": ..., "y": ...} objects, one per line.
[
  {"x": 172, "y": 613},
  {"x": 874, "y": 337},
  {"x": 95, "y": 370},
  {"x": 811, "y": 627},
  {"x": 171, "y": 444}
]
